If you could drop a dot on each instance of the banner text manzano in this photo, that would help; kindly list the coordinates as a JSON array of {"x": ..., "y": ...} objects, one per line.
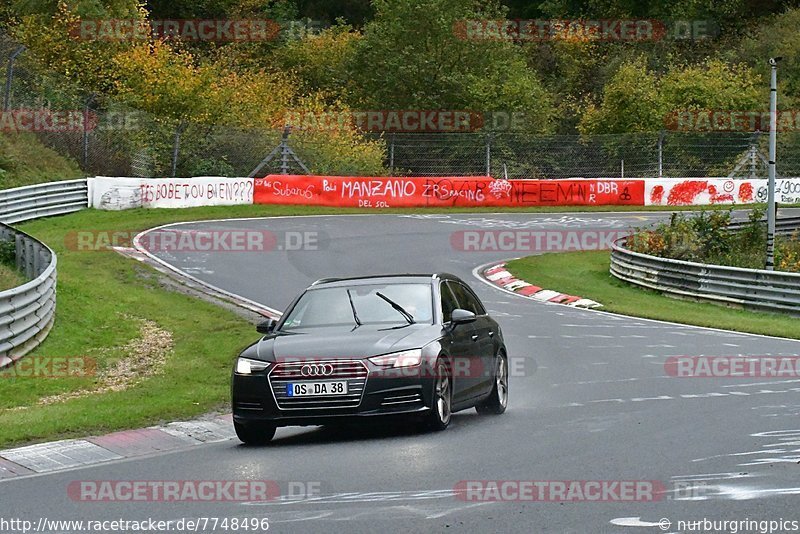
[{"x": 382, "y": 192}]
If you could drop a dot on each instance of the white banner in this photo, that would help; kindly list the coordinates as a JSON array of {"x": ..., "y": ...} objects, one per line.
[
  {"x": 787, "y": 191},
  {"x": 702, "y": 191},
  {"x": 108, "y": 193}
]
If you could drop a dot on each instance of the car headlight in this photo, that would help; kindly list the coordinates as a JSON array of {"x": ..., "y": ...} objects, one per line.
[
  {"x": 246, "y": 366},
  {"x": 407, "y": 358}
]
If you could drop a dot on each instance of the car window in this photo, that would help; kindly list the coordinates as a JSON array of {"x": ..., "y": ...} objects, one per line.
[
  {"x": 466, "y": 299},
  {"x": 331, "y": 306},
  {"x": 448, "y": 302}
]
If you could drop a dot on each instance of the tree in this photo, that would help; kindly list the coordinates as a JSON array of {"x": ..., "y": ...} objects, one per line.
[
  {"x": 777, "y": 38},
  {"x": 320, "y": 61},
  {"x": 412, "y": 56},
  {"x": 637, "y": 100}
]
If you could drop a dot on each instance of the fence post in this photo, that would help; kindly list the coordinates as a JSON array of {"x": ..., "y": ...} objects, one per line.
[
  {"x": 661, "y": 154},
  {"x": 10, "y": 76},
  {"x": 488, "y": 154},
  {"x": 177, "y": 145},
  {"x": 391, "y": 154},
  {"x": 754, "y": 154},
  {"x": 285, "y": 150}
]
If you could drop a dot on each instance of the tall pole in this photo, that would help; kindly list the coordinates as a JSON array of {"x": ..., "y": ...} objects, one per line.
[{"x": 773, "y": 136}]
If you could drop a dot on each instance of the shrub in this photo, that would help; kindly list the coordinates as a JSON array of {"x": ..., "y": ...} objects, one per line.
[{"x": 705, "y": 238}]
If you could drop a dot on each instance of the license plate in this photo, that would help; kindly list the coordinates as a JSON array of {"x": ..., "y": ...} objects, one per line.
[{"x": 312, "y": 389}]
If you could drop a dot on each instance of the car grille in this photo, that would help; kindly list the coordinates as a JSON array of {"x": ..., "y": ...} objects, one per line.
[{"x": 354, "y": 371}]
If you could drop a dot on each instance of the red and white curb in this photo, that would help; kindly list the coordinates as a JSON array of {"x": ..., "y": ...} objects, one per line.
[
  {"x": 498, "y": 275},
  {"x": 72, "y": 453}
]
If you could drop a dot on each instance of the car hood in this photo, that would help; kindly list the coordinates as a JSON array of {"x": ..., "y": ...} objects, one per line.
[{"x": 343, "y": 342}]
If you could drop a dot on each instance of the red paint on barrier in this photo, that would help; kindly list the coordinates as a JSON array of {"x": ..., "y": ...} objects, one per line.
[
  {"x": 684, "y": 193},
  {"x": 716, "y": 198},
  {"x": 475, "y": 191},
  {"x": 746, "y": 192},
  {"x": 657, "y": 195}
]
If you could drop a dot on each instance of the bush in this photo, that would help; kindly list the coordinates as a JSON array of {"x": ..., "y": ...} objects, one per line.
[
  {"x": 705, "y": 238},
  {"x": 8, "y": 254}
]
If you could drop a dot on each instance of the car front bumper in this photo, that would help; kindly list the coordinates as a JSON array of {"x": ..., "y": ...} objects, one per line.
[{"x": 385, "y": 394}]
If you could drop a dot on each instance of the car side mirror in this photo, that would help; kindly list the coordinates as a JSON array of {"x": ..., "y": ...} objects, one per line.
[
  {"x": 266, "y": 327},
  {"x": 460, "y": 316}
]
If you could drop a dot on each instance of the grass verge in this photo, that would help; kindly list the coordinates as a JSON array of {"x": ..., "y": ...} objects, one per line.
[
  {"x": 586, "y": 274},
  {"x": 24, "y": 160}
]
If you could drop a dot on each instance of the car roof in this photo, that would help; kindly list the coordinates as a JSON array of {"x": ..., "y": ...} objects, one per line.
[{"x": 399, "y": 278}]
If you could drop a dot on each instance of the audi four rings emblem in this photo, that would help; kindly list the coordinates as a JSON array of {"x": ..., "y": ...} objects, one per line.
[{"x": 323, "y": 369}]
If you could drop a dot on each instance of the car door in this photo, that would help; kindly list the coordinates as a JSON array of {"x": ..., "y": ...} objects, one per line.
[
  {"x": 460, "y": 347},
  {"x": 482, "y": 337}
]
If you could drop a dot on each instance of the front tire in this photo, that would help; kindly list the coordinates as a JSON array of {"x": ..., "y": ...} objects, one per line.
[
  {"x": 497, "y": 400},
  {"x": 254, "y": 433},
  {"x": 442, "y": 404}
]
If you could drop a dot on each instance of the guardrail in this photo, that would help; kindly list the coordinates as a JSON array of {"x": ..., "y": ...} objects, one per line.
[
  {"x": 27, "y": 311},
  {"x": 784, "y": 225},
  {"x": 758, "y": 289},
  {"x": 43, "y": 200}
]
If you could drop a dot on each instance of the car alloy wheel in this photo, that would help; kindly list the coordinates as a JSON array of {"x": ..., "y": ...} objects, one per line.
[
  {"x": 497, "y": 401},
  {"x": 441, "y": 407}
]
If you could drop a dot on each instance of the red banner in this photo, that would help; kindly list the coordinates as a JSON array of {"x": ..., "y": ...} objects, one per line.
[{"x": 471, "y": 191}]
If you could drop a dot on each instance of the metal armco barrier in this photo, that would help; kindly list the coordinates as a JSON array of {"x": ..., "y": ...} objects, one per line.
[
  {"x": 757, "y": 289},
  {"x": 43, "y": 200},
  {"x": 27, "y": 311}
]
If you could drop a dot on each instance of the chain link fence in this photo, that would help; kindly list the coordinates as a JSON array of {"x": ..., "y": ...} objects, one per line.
[
  {"x": 106, "y": 137},
  {"x": 659, "y": 154}
]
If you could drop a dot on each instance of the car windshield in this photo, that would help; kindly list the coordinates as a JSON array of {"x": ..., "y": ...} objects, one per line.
[{"x": 388, "y": 304}]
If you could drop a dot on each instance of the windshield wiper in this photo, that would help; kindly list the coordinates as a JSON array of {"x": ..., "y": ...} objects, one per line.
[
  {"x": 407, "y": 316},
  {"x": 353, "y": 307}
]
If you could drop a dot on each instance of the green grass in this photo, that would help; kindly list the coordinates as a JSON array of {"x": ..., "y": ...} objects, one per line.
[
  {"x": 24, "y": 160},
  {"x": 10, "y": 277},
  {"x": 586, "y": 274}
]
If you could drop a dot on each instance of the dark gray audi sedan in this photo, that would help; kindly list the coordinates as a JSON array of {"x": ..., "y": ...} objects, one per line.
[{"x": 414, "y": 346}]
